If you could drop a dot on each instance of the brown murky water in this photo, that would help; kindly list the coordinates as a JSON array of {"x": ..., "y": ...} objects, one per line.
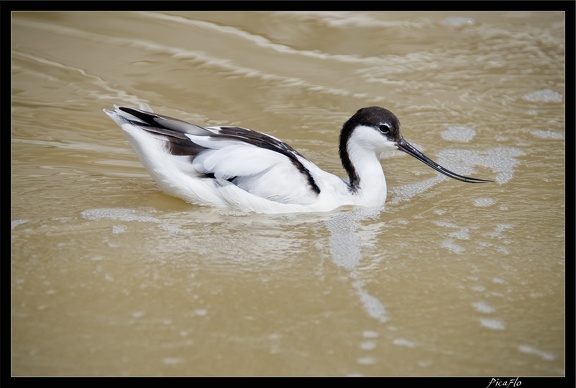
[{"x": 112, "y": 277}]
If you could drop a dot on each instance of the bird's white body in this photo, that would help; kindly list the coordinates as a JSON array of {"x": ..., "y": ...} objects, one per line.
[{"x": 239, "y": 169}]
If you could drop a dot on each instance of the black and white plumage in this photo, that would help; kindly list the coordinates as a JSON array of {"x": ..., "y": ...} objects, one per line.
[{"x": 237, "y": 168}]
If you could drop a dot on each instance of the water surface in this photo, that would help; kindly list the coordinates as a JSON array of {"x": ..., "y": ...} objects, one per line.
[{"x": 112, "y": 277}]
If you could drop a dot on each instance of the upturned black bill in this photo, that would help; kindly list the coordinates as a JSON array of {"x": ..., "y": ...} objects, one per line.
[{"x": 403, "y": 145}]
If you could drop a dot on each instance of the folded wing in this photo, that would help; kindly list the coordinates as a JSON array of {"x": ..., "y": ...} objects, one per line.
[{"x": 257, "y": 163}]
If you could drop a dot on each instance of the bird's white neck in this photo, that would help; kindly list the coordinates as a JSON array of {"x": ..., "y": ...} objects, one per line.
[{"x": 367, "y": 178}]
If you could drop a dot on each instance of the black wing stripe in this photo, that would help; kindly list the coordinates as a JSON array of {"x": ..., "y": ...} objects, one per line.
[
  {"x": 268, "y": 142},
  {"x": 180, "y": 144},
  {"x": 145, "y": 117}
]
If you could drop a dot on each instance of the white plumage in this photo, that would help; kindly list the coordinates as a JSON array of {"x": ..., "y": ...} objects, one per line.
[{"x": 237, "y": 168}]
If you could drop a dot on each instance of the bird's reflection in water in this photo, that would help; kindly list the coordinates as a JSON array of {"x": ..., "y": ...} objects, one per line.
[{"x": 346, "y": 252}]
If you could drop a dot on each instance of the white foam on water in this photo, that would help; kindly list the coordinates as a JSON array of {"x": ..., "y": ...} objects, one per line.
[
  {"x": 494, "y": 324},
  {"x": 406, "y": 192},
  {"x": 172, "y": 360},
  {"x": 458, "y": 133},
  {"x": 547, "y": 134},
  {"x": 499, "y": 229},
  {"x": 118, "y": 229},
  {"x": 462, "y": 233},
  {"x": 483, "y": 307},
  {"x": 366, "y": 360},
  {"x": 484, "y": 202},
  {"x": 544, "y": 95},
  {"x": 531, "y": 350},
  {"x": 373, "y": 307},
  {"x": 368, "y": 345},
  {"x": 370, "y": 334},
  {"x": 452, "y": 246},
  {"x": 502, "y": 160},
  {"x": 458, "y": 21},
  {"x": 404, "y": 342},
  {"x": 120, "y": 214},
  {"x": 15, "y": 223}
]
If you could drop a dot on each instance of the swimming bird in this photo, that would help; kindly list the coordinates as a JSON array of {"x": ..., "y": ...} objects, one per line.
[{"x": 240, "y": 169}]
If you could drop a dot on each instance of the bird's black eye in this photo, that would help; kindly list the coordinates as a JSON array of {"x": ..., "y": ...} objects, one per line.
[{"x": 384, "y": 128}]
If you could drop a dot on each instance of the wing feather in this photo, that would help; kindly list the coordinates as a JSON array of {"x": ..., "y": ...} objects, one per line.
[{"x": 259, "y": 164}]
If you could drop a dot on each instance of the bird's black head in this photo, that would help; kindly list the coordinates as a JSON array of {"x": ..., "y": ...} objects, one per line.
[
  {"x": 373, "y": 116},
  {"x": 384, "y": 123}
]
